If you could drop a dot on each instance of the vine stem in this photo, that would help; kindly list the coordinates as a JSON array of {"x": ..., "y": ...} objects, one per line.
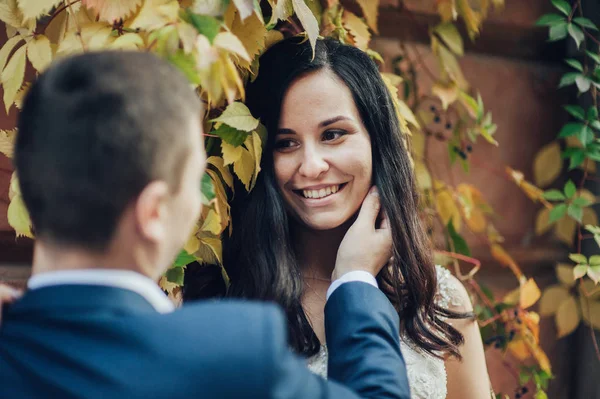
[
  {"x": 77, "y": 27},
  {"x": 57, "y": 12}
]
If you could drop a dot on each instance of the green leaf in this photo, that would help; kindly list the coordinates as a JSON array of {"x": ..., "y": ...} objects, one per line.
[
  {"x": 183, "y": 259},
  {"x": 207, "y": 189},
  {"x": 237, "y": 115},
  {"x": 571, "y": 129},
  {"x": 593, "y": 56},
  {"x": 580, "y": 201},
  {"x": 592, "y": 229},
  {"x": 186, "y": 64},
  {"x": 557, "y": 212},
  {"x": 594, "y": 260},
  {"x": 460, "y": 245},
  {"x": 562, "y": 6},
  {"x": 578, "y": 258},
  {"x": 586, "y": 135},
  {"x": 576, "y": 33},
  {"x": 583, "y": 83},
  {"x": 451, "y": 37},
  {"x": 554, "y": 195},
  {"x": 558, "y": 32},
  {"x": 550, "y": 19},
  {"x": 231, "y": 135},
  {"x": 595, "y": 125},
  {"x": 577, "y": 111},
  {"x": 575, "y": 64},
  {"x": 585, "y": 23},
  {"x": 580, "y": 271},
  {"x": 205, "y": 25},
  {"x": 592, "y": 114},
  {"x": 575, "y": 212},
  {"x": 175, "y": 275},
  {"x": 576, "y": 158},
  {"x": 570, "y": 189},
  {"x": 568, "y": 79}
]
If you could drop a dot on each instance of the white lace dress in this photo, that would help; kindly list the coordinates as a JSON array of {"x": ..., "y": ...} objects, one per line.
[{"x": 426, "y": 374}]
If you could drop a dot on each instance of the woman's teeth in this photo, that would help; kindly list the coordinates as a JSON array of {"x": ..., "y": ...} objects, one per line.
[{"x": 324, "y": 192}]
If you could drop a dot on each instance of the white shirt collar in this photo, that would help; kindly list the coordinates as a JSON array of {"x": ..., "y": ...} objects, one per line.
[{"x": 125, "y": 279}]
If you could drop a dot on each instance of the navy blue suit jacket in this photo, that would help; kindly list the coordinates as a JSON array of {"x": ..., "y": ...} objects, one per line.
[{"x": 74, "y": 341}]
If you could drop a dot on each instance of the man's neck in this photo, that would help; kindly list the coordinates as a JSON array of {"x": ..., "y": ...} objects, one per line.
[{"x": 49, "y": 258}]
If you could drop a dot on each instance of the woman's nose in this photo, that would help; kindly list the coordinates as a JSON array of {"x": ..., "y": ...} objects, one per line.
[{"x": 313, "y": 164}]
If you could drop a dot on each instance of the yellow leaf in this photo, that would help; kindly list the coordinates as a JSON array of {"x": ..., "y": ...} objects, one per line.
[
  {"x": 547, "y": 164},
  {"x": 533, "y": 192},
  {"x": 472, "y": 201},
  {"x": 221, "y": 205},
  {"x": 245, "y": 8},
  {"x": 244, "y": 168},
  {"x": 254, "y": 145},
  {"x": 219, "y": 164},
  {"x": 472, "y": 18},
  {"x": 212, "y": 223},
  {"x": 35, "y": 8},
  {"x": 167, "y": 286},
  {"x": 451, "y": 37},
  {"x": 211, "y": 250},
  {"x": 565, "y": 230},
  {"x": 213, "y": 8},
  {"x": 358, "y": 29},
  {"x": 237, "y": 115},
  {"x": 448, "y": 64},
  {"x": 519, "y": 349},
  {"x": 94, "y": 35},
  {"x": 505, "y": 259},
  {"x": 281, "y": 11},
  {"x": 112, "y": 10},
  {"x": 7, "y": 50},
  {"x": 308, "y": 21},
  {"x": 588, "y": 286},
  {"x": 192, "y": 244},
  {"x": 251, "y": 33},
  {"x": 21, "y": 94},
  {"x": 39, "y": 52},
  {"x": 589, "y": 216},
  {"x": 567, "y": 317},
  {"x": 390, "y": 81},
  {"x": 18, "y": 218},
  {"x": 590, "y": 308},
  {"x": 447, "y": 209},
  {"x": 273, "y": 37},
  {"x": 230, "y": 153},
  {"x": 128, "y": 41},
  {"x": 7, "y": 142},
  {"x": 232, "y": 82},
  {"x": 552, "y": 297},
  {"x": 407, "y": 114},
  {"x": 370, "y": 11},
  {"x": 422, "y": 175},
  {"x": 155, "y": 14},
  {"x": 10, "y": 14},
  {"x": 526, "y": 295},
  {"x": 230, "y": 42},
  {"x": 12, "y": 77},
  {"x": 564, "y": 273},
  {"x": 542, "y": 221},
  {"x": 447, "y": 10},
  {"x": 446, "y": 93}
]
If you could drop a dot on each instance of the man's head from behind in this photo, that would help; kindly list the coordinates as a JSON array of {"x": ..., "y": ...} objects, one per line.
[{"x": 109, "y": 157}]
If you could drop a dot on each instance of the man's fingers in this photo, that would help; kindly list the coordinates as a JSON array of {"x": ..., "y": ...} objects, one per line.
[{"x": 370, "y": 208}]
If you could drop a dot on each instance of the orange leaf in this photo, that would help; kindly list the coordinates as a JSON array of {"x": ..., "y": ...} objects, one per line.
[
  {"x": 505, "y": 259},
  {"x": 358, "y": 29}
]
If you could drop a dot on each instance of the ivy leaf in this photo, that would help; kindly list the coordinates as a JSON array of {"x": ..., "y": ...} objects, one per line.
[
  {"x": 585, "y": 23},
  {"x": 575, "y": 212},
  {"x": 568, "y": 79},
  {"x": 576, "y": 156},
  {"x": 593, "y": 272},
  {"x": 586, "y": 135},
  {"x": 551, "y": 299},
  {"x": 583, "y": 83},
  {"x": 460, "y": 245},
  {"x": 562, "y": 6},
  {"x": 583, "y": 202},
  {"x": 593, "y": 56},
  {"x": 231, "y": 135},
  {"x": 370, "y": 9},
  {"x": 35, "y": 8},
  {"x": 595, "y": 125},
  {"x": 112, "y": 10},
  {"x": 594, "y": 260},
  {"x": 571, "y": 129},
  {"x": 592, "y": 114},
  {"x": 554, "y": 195},
  {"x": 230, "y": 42},
  {"x": 237, "y": 115},
  {"x": 183, "y": 259},
  {"x": 308, "y": 21},
  {"x": 575, "y": 64},
  {"x": 550, "y": 20},
  {"x": 557, "y": 212},
  {"x": 175, "y": 275},
  {"x": 576, "y": 111},
  {"x": 579, "y": 271},
  {"x": 576, "y": 33},
  {"x": 207, "y": 189},
  {"x": 12, "y": 76},
  {"x": 558, "y": 32},
  {"x": 570, "y": 189},
  {"x": 205, "y": 25}
]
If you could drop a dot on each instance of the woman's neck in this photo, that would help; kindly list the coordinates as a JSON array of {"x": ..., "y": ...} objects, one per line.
[{"x": 317, "y": 249}]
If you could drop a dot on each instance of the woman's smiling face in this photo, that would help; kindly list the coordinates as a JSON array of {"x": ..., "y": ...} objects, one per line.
[{"x": 322, "y": 159}]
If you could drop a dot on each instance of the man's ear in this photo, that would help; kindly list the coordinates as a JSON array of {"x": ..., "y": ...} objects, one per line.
[{"x": 151, "y": 211}]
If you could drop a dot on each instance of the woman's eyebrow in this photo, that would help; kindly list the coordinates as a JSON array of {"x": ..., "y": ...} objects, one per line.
[{"x": 330, "y": 121}]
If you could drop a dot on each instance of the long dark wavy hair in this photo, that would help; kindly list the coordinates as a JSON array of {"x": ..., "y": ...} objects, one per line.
[{"x": 259, "y": 255}]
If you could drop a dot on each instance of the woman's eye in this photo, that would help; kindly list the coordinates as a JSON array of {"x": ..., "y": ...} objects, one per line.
[
  {"x": 330, "y": 135},
  {"x": 284, "y": 144}
]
